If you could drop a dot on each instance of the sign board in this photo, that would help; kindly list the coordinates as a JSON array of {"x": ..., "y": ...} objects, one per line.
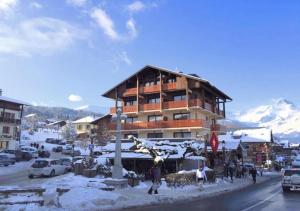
[{"x": 214, "y": 143}]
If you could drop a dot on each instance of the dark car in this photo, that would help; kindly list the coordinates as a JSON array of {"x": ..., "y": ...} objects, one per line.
[
  {"x": 23, "y": 155},
  {"x": 57, "y": 149},
  {"x": 8, "y": 151},
  {"x": 7, "y": 159},
  {"x": 44, "y": 153},
  {"x": 49, "y": 140}
]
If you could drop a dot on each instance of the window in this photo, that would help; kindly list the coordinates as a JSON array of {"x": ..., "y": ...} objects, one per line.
[
  {"x": 172, "y": 80},
  {"x": 154, "y": 118},
  {"x": 131, "y": 119},
  {"x": 182, "y": 134},
  {"x": 179, "y": 97},
  {"x": 5, "y": 130},
  {"x": 88, "y": 127},
  {"x": 154, "y": 135},
  {"x": 182, "y": 116},
  {"x": 79, "y": 127},
  {"x": 130, "y": 102},
  {"x": 153, "y": 100},
  {"x": 151, "y": 83}
]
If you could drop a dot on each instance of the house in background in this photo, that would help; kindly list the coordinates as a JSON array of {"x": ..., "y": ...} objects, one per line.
[
  {"x": 84, "y": 127},
  {"x": 160, "y": 103},
  {"x": 255, "y": 141},
  {"x": 11, "y": 112}
]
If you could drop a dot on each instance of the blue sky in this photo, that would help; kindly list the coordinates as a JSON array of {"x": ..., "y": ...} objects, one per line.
[{"x": 69, "y": 52}]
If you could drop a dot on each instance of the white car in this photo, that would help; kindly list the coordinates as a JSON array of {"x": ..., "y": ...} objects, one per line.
[
  {"x": 47, "y": 167},
  {"x": 291, "y": 180},
  {"x": 296, "y": 162},
  {"x": 33, "y": 151}
]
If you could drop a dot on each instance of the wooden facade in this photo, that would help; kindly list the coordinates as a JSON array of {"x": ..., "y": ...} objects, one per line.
[{"x": 164, "y": 93}]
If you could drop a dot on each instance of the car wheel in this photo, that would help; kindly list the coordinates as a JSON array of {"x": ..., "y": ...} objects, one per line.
[
  {"x": 52, "y": 174},
  {"x": 285, "y": 189},
  {"x": 5, "y": 165},
  {"x": 65, "y": 171},
  {"x": 30, "y": 176}
]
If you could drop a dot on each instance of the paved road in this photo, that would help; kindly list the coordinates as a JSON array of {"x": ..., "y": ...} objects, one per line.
[
  {"x": 265, "y": 196},
  {"x": 19, "y": 176}
]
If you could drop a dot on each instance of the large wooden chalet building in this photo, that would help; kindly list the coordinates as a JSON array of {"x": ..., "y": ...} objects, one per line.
[{"x": 160, "y": 103}]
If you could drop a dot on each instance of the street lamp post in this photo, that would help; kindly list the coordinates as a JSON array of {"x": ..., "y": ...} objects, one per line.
[{"x": 118, "y": 168}]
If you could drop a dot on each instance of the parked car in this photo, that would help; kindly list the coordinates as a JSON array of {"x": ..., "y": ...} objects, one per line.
[
  {"x": 296, "y": 162},
  {"x": 67, "y": 150},
  {"x": 32, "y": 150},
  {"x": 23, "y": 155},
  {"x": 8, "y": 151},
  {"x": 44, "y": 153},
  {"x": 55, "y": 141},
  {"x": 57, "y": 149},
  {"x": 46, "y": 167},
  {"x": 49, "y": 140},
  {"x": 291, "y": 179},
  {"x": 67, "y": 162},
  {"x": 7, "y": 159}
]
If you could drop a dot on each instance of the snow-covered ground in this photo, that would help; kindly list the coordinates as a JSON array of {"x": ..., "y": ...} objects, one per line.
[{"x": 85, "y": 194}]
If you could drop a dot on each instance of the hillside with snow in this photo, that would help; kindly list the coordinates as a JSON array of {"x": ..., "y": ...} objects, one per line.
[{"x": 282, "y": 116}]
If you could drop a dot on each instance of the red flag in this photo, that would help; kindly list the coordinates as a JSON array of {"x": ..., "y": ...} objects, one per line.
[{"x": 214, "y": 143}]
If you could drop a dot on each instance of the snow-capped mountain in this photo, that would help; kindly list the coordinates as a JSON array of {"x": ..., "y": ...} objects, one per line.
[{"x": 282, "y": 116}]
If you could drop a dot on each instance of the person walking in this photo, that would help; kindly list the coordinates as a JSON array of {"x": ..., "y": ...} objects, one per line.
[
  {"x": 225, "y": 169},
  {"x": 231, "y": 169},
  {"x": 253, "y": 173},
  {"x": 201, "y": 175},
  {"x": 156, "y": 179}
]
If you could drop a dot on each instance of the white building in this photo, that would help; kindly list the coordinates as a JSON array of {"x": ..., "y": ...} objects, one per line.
[{"x": 11, "y": 112}]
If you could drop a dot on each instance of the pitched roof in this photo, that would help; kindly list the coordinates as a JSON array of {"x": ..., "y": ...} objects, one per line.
[
  {"x": 87, "y": 119},
  {"x": 19, "y": 102},
  {"x": 190, "y": 76}
]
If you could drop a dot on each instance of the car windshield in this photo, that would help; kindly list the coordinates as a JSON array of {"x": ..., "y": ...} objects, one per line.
[
  {"x": 40, "y": 164},
  {"x": 291, "y": 172}
]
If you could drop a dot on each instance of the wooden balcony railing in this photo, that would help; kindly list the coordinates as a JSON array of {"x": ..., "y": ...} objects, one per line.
[
  {"x": 195, "y": 103},
  {"x": 169, "y": 86},
  {"x": 126, "y": 109},
  {"x": 149, "y": 107},
  {"x": 174, "y": 104},
  {"x": 162, "y": 124},
  {"x": 130, "y": 92},
  {"x": 10, "y": 120},
  {"x": 150, "y": 89}
]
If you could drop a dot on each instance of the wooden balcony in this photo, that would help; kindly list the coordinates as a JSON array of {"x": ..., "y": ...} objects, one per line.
[
  {"x": 195, "y": 103},
  {"x": 189, "y": 123},
  {"x": 175, "y": 104},
  {"x": 10, "y": 120},
  {"x": 149, "y": 107},
  {"x": 150, "y": 89},
  {"x": 179, "y": 85},
  {"x": 126, "y": 109},
  {"x": 130, "y": 92}
]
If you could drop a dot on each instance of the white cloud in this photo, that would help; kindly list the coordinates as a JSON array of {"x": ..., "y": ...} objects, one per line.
[
  {"x": 136, "y": 6},
  {"x": 77, "y": 3},
  {"x": 124, "y": 57},
  {"x": 75, "y": 98},
  {"x": 7, "y": 6},
  {"x": 131, "y": 28},
  {"x": 38, "y": 36},
  {"x": 35, "y": 5},
  {"x": 105, "y": 22}
]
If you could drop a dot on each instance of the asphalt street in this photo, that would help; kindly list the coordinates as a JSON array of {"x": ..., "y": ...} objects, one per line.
[{"x": 264, "y": 196}]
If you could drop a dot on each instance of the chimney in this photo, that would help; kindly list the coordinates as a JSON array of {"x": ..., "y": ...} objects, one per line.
[{"x": 0, "y": 92}]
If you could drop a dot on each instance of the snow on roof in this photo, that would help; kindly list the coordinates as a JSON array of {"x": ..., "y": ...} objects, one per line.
[
  {"x": 128, "y": 155},
  {"x": 87, "y": 119},
  {"x": 6, "y": 99},
  {"x": 258, "y": 135},
  {"x": 111, "y": 147},
  {"x": 29, "y": 115},
  {"x": 99, "y": 118}
]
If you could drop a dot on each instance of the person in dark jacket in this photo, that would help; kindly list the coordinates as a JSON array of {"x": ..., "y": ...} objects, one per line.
[
  {"x": 253, "y": 173},
  {"x": 156, "y": 179},
  {"x": 231, "y": 170}
]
